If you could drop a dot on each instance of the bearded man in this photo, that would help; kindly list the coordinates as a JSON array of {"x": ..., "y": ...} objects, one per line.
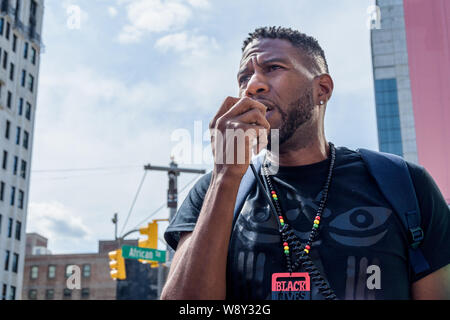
[{"x": 327, "y": 220}]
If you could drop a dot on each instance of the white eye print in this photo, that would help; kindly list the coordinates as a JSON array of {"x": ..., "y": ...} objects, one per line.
[
  {"x": 360, "y": 227},
  {"x": 361, "y": 219}
]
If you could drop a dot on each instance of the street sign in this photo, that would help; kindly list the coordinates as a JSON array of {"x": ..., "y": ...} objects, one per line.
[{"x": 132, "y": 252}]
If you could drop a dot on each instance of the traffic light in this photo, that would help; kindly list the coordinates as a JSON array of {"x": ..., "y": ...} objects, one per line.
[
  {"x": 151, "y": 231},
  {"x": 117, "y": 265}
]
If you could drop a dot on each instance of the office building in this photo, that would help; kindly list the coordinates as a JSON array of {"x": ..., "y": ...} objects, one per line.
[
  {"x": 411, "y": 68},
  {"x": 20, "y": 48}
]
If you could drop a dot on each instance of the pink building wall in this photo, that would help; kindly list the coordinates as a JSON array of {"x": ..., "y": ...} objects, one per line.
[{"x": 428, "y": 39}]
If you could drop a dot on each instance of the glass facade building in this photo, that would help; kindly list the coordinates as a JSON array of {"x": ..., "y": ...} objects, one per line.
[
  {"x": 410, "y": 42},
  {"x": 388, "y": 118}
]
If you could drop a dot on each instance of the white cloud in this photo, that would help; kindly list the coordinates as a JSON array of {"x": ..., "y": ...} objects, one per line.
[
  {"x": 203, "y": 4},
  {"x": 147, "y": 16},
  {"x": 57, "y": 222},
  {"x": 182, "y": 42},
  {"x": 112, "y": 11}
]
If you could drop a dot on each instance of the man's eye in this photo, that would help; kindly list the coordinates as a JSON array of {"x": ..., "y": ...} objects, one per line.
[
  {"x": 274, "y": 67},
  {"x": 243, "y": 79}
]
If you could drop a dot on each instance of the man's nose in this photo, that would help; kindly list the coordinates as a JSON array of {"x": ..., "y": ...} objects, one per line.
[{"x": 256, "y": 85}]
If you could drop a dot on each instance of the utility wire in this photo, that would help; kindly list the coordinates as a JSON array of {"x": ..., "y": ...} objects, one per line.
[
  {"x": 83, "y": 169},
  {"x": 88, "y": 175},
  {"x": 134, "y": 200},
  {"x": 164, "y": 204}
]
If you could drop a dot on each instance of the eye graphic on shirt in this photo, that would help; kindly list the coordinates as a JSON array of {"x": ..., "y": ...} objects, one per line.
[{"x": 360, "y": 227}]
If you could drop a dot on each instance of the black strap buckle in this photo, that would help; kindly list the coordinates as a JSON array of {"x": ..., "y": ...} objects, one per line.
[{"x": 416, "y": 236}]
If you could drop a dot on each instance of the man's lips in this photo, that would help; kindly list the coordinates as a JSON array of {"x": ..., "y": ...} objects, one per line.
[
  {"x": 270, "y": 107},
  {"x": 268, "y": 104}
]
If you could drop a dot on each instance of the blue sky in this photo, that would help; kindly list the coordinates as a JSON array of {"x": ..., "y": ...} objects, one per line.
[{"x": 113, "y": 90}]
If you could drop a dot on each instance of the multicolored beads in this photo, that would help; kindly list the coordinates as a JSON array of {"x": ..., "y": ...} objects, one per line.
[
  {"x": 281, "y": 219},
  {"x": 307, "y": 248},
  {"x": 286, "y": 248},
  {"x": 274, "y": 195},
  {"x": 316, "y": 222}
]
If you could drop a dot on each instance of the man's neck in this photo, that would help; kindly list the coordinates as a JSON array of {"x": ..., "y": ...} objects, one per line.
[{"x": 313, "y": 152}]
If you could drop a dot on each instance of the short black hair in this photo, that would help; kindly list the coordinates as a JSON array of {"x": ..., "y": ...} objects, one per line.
[{"x": 309, "y": 45}]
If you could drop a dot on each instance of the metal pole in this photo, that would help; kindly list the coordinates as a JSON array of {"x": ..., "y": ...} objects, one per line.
[
  {"x": 115, "y": 219},
  {"x": 172, "y": 201}
]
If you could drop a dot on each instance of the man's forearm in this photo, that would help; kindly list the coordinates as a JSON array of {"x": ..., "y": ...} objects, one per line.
[{"x": 199, "y": 271}]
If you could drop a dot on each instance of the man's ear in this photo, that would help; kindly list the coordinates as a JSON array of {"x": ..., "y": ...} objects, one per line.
[{"x": 324, "y": 86}]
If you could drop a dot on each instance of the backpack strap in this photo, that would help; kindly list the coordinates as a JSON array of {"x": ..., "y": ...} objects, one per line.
[
  {"x": 247, "y": 183},
  {"x": 394, "y": 180}
]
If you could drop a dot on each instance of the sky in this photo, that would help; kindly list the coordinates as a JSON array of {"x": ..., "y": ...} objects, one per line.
[{"x": 121, "y": 81}]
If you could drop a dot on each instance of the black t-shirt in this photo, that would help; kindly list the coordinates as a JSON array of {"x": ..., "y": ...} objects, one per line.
[{"x": 358, "y": 229}]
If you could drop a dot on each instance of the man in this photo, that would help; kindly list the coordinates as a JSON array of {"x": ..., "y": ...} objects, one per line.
[{"x": 360, "y": 250}]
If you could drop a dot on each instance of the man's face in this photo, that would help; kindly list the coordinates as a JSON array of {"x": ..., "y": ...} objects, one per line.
[{"x": 273, "y": 72}]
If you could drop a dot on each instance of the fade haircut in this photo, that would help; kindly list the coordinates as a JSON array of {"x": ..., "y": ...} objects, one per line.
[{"x": 308, "y": 45}]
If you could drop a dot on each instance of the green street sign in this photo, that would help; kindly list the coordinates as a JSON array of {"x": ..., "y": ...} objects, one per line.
[{"x": 132, "y": 252}]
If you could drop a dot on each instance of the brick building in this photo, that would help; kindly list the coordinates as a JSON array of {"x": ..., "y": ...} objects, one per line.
[{"x": 45, "y": 275}]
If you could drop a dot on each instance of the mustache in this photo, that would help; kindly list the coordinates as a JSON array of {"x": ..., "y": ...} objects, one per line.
[{"x": 268, "y": 103}]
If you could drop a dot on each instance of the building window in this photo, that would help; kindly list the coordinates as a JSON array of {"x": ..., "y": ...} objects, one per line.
[
  {"x": 69, "y": 270},
  {"x": 5, "y": 159},
  {"x": 2, "y": 23},
  {"x": 7, "y": 128},
  {"x": 33, "y": 9},
  {"x": 6, "y": 260},
  {"x": 34, "y": 272},
  {"x": 18, "y": 230},
  {"x": 11, "y": 71},
  {"x": 5, "y": 288},
  {"x": 49, "y": 294},
  {"x": 13, "y": 196},
  {"x": 12, "y": 294},
  {"x": 1, "y": 223},
  {"x": 14, "y": 43},
  {"x": 23, "y": 169},
  {"x": 16, "y": 163},
  {"x": 25, "y": 50},
  {"x": 86, "y": 270},
  {"x": 67, "y": 293},
  {"x": 2, "y": 190},
  {"x": 33, "y": 55},
  {"x": 51, "y": 272},
  {"x": 9, "y": 99},
  {"x": 32, "y": 294},
  {"x": 10, "y": 226},
  {"x": 18, "y": 136},
  {"x": 8, "y": 29},
  {"x": 5, "y": 60},
  {"x": 15, "y": 266},
  {"x": 85, "y": 293},
  {"x": 20, "y": 107},
  {"x": 20, "y": 199},
  {"x": 25, "y": 139},
  {"x": 23, "y": 78},
  {"x": 30, "y": 82},
  {"x": 28, "y": 111}
]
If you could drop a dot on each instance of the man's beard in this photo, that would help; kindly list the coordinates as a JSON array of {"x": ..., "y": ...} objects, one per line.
[{"x": 299, "y": 112}]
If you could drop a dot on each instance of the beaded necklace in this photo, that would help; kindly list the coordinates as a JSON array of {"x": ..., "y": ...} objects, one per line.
[{"x": 291, "y": 241}]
